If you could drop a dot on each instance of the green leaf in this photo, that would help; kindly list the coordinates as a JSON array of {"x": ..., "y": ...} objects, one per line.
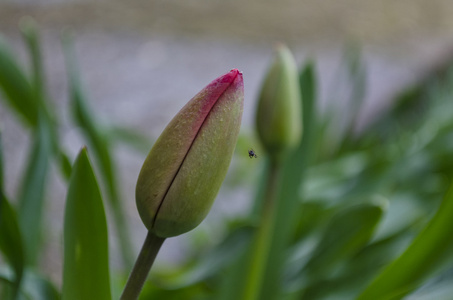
[
  {"x": 356, "y": 73},
  {"x": 7, "y": 283},
  {"x": 31, "y": 193},
  {"x": 10, "y": 235},
  {"x": 33, "y": 286},
  {"x": 1, "y": 160},
  {"x": 422, "y": 258},
  {"x": 18, "y": 91},
  {"x": 346, "y": 233},
  {"x": 311, "y": 219},
  {"x": 307, "y": 81},
  {"x": 347, "y": 95},
  {"x": 196, "y": 292},
  {"x": 438, "y": 291},
  {"x": 65, "y": 165},
  {"x": 11, "y": 242},
  {"x": 37, "y": 287},
  {"x": 40, "y": 289},
  {"x": 86, "y": 265},
  {"x": 356, "y": 272},
  {"x": 30, "y": 34}
]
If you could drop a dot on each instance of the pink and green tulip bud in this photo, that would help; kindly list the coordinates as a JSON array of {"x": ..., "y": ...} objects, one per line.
[
  {"x": 279, "y": 112},
  {"x": 186, "y": 166}
]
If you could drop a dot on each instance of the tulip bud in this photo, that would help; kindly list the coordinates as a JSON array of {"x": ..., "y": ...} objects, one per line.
[
  {"x": 186, "y": 166},
  {"x": 279, "y": 112}
]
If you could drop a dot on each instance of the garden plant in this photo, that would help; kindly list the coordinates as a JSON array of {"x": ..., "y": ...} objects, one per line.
[{"x": 338, "y": 212}]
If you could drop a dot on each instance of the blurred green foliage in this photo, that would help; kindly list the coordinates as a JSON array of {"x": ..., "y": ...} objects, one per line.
[{"x": 359, "y": 214}]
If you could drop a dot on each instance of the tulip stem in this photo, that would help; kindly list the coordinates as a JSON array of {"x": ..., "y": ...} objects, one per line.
[
  {"x": 143, "y": 264},
  {"x": 263, "y": 237}
]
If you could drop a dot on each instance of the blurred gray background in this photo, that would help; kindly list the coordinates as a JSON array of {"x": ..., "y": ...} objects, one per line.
[{"x": 141, "y": 61}]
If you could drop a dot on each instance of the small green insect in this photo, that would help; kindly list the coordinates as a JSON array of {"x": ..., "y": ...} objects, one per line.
[{"x": 252, "y": 153}]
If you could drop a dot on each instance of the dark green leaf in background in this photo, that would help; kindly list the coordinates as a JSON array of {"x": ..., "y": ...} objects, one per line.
[
  {"x": 32, "y": 190},
  {"x": 36, "y": 287},
  {"x": 347, "y": 232},
  {"x": 354, "y": 273},
  {"x": 31, "y": 37},
  {"x": 86, "y": 262},
  {"x": 437, "y": 289},
  {"x": 10, "y": 236},
  {"x": 10, "y": 241},
  {"x": 429, "y": 250},
  {"x": 344, "y": 236},
  {"x": 17, "y": 90},
  {"x": 356, "y": 74},
  {"x": 1, "y": 160},
  {"x": 308, "y": 88},
  {"x": 65, "y": 165}
]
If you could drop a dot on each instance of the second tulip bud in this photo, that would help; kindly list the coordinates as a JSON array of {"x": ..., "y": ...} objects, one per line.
[{"x": 279, "y": 113}]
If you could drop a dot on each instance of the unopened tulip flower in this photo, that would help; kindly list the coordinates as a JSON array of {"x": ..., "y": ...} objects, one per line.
[
  {"x": 279, "y": 112},
  {"x": 186, "y": 166}
]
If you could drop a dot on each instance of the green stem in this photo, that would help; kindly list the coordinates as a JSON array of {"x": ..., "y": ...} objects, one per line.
[
  {"x": 263, "y": 237},
  {"x": 142, "y": 266}
]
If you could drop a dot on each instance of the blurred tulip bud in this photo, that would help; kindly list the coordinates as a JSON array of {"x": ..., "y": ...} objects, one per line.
[
  {"x": 186, "y": 166},
  {"x": 279, "y": 113}
]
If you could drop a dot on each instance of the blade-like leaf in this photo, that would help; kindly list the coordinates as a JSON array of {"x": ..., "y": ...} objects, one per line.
[
  {"x": 428, "y": 250},
  {"x": 38, "y": 288},
  {"x": 345, "y": 234},
  {"x": 30, "y": 34},
  {"x": 356, "y": 272},
  {"x": 86, "y": 266},
  {"x": 356, "y": 73},
  {"x": 307, "y": 81},
  {"x": 1, "y": 160},
  {"x": 7, "y": 284},
  {"x": 10, "y": 235},
  {"x": 196, "y": 291},
  {"x": 31, "y": 193},
  {"x": 33, "y": 286},
  {"x": 65, "y": 165},
  {"x": 17, "y": 90},
  {"x": 11, "y": 241},
  {"x": 439, "y": 291}
]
